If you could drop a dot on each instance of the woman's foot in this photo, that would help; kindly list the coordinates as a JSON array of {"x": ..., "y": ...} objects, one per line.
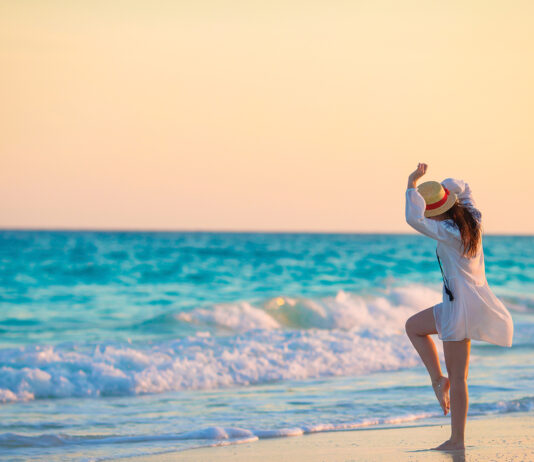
[
  {"x": 450, "y": 445},
  {"x": 441, "y": 388}
]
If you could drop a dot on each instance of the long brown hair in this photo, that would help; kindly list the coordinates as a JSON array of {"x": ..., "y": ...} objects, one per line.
[{"x": 470, "y": 227}]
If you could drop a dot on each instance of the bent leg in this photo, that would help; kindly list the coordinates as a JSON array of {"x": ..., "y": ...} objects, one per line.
[{"x": 419, "y": 327}]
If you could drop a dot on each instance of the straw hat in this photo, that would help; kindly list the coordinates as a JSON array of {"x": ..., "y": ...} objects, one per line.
[{"x": 438, "y": 198}]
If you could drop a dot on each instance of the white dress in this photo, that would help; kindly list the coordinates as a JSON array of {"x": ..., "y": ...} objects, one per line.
[{"x": 475, "y": 312}]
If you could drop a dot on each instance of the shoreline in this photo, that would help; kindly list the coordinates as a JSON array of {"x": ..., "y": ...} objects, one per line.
[{"x": 489, "y": 437}]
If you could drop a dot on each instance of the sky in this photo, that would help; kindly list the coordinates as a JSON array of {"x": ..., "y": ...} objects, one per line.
[{"x": 262, "y": 116}]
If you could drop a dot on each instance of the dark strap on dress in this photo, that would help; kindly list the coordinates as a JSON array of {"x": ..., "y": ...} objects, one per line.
[{"x": 445, "y": 282}]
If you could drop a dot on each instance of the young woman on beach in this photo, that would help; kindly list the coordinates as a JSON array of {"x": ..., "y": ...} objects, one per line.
[{"x": 446, "y": 212}]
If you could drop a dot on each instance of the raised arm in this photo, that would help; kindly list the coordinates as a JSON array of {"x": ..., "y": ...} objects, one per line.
[
  {"x": 465, "y": 196},
  {"x": 416, "y": 174},
  {"x": 462, "y": 190},
  {"x": 415, "y": 209}
]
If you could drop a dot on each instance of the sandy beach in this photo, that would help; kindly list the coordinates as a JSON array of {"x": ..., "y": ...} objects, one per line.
[{"x": 494, "y": 438}]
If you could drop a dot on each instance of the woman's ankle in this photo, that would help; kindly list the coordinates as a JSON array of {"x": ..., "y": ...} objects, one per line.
[{"x": 437, "y": 379}]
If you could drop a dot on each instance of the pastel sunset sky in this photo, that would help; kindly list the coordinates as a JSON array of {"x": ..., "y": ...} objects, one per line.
[{"x": 261, "y": 115}]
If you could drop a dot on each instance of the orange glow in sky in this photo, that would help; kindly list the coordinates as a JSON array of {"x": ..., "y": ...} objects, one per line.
[{"x": 283, "y": 115}]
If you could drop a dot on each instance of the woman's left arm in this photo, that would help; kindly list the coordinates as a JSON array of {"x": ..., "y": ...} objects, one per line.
[
  {"x": 464, "y": 194},
  {"x": 461, "y": 189}
]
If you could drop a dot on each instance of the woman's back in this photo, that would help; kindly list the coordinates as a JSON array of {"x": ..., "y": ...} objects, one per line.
[{"x": 469, "y": 308}]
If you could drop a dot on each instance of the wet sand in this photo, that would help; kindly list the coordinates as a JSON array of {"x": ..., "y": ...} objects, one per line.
[{"x": 495, "y": 438}]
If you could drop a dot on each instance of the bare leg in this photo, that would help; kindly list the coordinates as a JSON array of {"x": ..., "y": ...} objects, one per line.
[
  {"x": 419, "y": 327},
  {"x": 457, "y": 361}
]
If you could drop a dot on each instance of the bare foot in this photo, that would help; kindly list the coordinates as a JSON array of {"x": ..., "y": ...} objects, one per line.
[
  {"x": 441, "y": 388},
  {"x": 450, "y": 446}
]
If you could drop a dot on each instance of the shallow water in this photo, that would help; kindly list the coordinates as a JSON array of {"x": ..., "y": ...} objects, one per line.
[{"x": 118, "y": 343}]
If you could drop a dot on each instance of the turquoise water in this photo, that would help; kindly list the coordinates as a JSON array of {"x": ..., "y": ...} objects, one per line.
[{"x": 128, "y": 343}]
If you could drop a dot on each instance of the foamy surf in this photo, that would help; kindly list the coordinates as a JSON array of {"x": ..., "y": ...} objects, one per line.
[
  {"x": 281, "y": 339},
  {"x": 198, "y": 362},
  {"x": 385, "y": 308},
  {"x": 284, "y": 338}
]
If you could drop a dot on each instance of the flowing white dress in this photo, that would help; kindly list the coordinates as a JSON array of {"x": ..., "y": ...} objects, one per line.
[{"x": 475, "y": 312}]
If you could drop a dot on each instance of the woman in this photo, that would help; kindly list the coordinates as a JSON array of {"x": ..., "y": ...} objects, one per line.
[{"x": 447, "y": 213}]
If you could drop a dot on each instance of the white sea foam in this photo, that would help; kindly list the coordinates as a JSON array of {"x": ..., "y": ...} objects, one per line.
[
  {"x": 285, "y": 338},
  {"x": 205, "y": 362},
  {"x": 235, "y": 317},
  {"x": 344, "y": 311}
]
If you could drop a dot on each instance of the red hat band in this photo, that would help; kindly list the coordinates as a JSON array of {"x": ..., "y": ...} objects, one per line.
[{"x": 439, "y": 203}]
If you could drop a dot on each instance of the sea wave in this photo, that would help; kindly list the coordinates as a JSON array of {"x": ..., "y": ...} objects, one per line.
[
  {"x": 286, "y": 338},
  {"x": 197, "y": 362},
  {"x": 387, "y": 309}
]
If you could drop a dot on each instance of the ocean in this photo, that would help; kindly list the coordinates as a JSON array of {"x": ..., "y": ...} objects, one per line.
[{"x": 116, "y": 344}]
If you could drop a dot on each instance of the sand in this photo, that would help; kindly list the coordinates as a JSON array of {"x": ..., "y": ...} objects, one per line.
[{"x": 500, "y": 438}]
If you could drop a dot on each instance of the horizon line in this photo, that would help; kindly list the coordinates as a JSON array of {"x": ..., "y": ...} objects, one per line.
[{"x": 234, "y": 231}]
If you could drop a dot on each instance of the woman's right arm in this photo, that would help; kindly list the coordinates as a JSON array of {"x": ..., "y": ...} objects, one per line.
[
  {"x": 415, "y": 217},
  {"x": 463, "y": 191}
]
